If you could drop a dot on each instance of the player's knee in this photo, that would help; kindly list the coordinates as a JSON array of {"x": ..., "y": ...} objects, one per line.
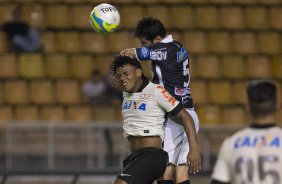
[
  {"x": 169, "y": 173},
  {"x": 185, "y": 182},
  {"x": 165, "y": 182}
]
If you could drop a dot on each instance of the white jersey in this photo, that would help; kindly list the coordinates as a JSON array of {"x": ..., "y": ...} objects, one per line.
[
  {"x": 251, "y": 156},
  {"x": 144, "y": 111}
]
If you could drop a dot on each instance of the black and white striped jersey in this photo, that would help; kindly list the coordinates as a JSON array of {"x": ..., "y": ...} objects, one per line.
[{"x": 170, "y": 67}]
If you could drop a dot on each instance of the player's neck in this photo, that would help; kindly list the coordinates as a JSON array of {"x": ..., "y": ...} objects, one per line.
[
  {"x": 264, "y": 120},
  {"x": 138, "y": 85}
]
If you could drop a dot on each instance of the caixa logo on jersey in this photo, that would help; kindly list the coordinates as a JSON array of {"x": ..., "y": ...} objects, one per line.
[
  {"x": 131, "y": 105},
  {"x": 258, "y": 141}
]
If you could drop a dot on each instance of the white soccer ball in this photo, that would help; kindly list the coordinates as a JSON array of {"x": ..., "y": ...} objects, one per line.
[{"x": 104, "y": 18}]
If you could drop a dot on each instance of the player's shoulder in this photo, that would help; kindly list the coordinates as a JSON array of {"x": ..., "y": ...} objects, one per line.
[
  {"x": 151, "y": 88},
  {"x": 160, "y": 91},
  {"x": 236, "y": 134},
  {"x": 246, "y": 131},
  {"x": 177, "y": 43},
  {"x": 240, "y": 132},
  {"x": 173, "y": 44},
  {"x": 276, "y": 130},
  {"x": 159, "y": 87}
]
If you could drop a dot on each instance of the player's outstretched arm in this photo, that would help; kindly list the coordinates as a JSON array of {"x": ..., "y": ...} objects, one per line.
[
  {"x": 141, "y": 53},
  {"x": 194, "y": 157}
]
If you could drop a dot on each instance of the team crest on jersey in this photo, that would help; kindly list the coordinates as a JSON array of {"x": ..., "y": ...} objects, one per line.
[
  {"x": 182, "y": 55},
  {"x": 145, "y": 97},
  {"x": 259, "y": 141},
  {"x": 131, "y": 105},
  {"x": 144, "y": 51}
]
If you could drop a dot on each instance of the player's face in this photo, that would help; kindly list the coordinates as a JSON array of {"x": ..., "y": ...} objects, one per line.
[
  {"x": 145, "y": 43},
  {"x": 129, "y": 78}
]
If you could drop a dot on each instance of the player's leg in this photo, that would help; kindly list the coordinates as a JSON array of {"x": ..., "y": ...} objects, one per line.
[
  {"x": 169, "y": 175},
  {"x": 182, "y": 169},
  {"x": 172, "y": 145},
  {"x": 181, "y": 174}
]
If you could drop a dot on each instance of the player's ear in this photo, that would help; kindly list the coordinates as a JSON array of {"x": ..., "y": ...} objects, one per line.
[
  {"x": 157, "y": 39},
  {"x": 139, "y": 73}
]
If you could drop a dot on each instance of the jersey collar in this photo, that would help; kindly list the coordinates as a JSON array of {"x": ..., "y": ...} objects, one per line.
[
  {"x": 254, "y": 125},
  {"x": 144, "y": 84},
  {"x": 167, "y": 39}
]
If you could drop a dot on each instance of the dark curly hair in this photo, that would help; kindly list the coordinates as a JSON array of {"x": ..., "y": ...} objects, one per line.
[
  {"x": 149, "y": 28},
  {"x": 262, "y": 97},
  {"x": 120, "y": 61}
]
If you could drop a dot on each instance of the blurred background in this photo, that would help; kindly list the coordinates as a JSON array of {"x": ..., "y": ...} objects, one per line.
[{"x": 60, "y": 119}]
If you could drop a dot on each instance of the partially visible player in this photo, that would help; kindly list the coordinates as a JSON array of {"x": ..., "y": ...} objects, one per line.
[
  {"x": 253, "y": 155},
  {"x": 144, "y": 108},
  {"x": 170, "y": 63}
]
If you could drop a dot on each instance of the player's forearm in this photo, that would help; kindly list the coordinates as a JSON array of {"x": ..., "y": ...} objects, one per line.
[{"x": 189, "y": 128}]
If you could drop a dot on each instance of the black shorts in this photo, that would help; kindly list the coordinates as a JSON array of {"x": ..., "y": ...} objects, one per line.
[{"x": 144, "y": 166}]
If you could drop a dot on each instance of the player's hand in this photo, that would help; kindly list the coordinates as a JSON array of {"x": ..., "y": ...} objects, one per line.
[
  {"x": 128, "y": 52},
  {"x": 194, "y": 160}
]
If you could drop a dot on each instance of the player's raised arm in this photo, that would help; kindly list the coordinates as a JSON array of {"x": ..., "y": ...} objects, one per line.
[
  {"x": 175, "y": 108},
  {"x": 141, "y": 53}
]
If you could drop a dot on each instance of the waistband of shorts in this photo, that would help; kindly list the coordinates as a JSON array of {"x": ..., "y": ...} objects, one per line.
[{"x": 148, "y": 149}]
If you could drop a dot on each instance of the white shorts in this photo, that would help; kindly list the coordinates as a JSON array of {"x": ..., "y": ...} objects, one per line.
[{"x": 175, "y": 140}]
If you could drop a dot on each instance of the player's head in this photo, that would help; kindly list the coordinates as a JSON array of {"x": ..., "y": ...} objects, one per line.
[
  {"x": 128, "y": 72},
  {"x": 149, "y": 30},
  {"x": 261, "y": 97}
]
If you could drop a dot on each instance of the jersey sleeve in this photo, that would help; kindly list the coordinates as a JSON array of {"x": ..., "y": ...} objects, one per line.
[
  {"x": 143, "y": 53},
  {"x": 221, "y": 170},
  {"x": 166, "y": 101}
]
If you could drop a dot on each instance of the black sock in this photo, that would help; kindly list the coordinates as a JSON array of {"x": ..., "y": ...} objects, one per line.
[
  {"x": 165, "y": 182},
  {"x": 185, "y": 182}
]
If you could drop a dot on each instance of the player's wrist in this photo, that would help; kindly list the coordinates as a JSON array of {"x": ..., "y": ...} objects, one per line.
[{"x": 194, "y": 146}]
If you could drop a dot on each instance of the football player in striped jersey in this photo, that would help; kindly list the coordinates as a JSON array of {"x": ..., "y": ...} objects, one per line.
[{"x": 170, "y": 68}]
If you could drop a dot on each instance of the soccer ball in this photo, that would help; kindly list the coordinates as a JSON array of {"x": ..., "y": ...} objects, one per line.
[{"x": 104, "y": 18}]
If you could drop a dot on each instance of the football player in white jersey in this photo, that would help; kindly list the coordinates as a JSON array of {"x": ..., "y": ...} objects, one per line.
[
  {"x": 170, "y": 68},
  {"x": 144, "y": 109},
  {"x": 253, "y": 155}
]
